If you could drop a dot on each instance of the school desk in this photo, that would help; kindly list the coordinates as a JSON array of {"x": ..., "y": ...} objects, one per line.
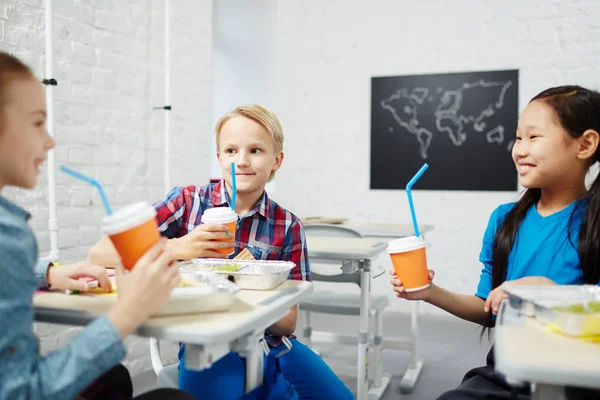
[
  {"x": 525, "y": 352},
  {"x": 353, "y": 254},
  {"x": 371, "y": 229},
  {"x": 241, "y": 328},
  {"x": 385, "y": 230}
]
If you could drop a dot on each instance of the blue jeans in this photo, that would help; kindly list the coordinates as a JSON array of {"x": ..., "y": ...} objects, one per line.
[{"x": 307, "y": 373}]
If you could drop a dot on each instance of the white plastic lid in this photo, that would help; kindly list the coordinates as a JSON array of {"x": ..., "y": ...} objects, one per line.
[
  {"x": 219, "y": 215},
  {"x": 406, "y": 244},
  {"x": 127, "y": 218}
]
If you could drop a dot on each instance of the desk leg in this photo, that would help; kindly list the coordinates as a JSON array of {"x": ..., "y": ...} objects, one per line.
[
  {"x": 548, "y": 392},
  {"x": 363, "y": 334},
  {"x": 251, "y": 349},
  {"x": 410, "y": 377},
  {"x": 202, "y": 356},
  {"x": 414, "y": 333},
  {"x": 378, "y": 350}
]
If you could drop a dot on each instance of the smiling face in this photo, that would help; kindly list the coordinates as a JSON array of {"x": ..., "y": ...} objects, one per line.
[
  {"x": 251, "y": 148},
  {"x": 544, "y": 153},
  {"x": 24, "y": 141}
]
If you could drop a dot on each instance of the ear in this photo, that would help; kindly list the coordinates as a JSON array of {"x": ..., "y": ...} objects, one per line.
[
  {"x": 588, "y": 144},
  {"x": 278, "y": 161}
]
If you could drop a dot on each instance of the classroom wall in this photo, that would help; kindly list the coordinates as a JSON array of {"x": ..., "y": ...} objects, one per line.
[
  {"x": 244, "y": 39},
  {"x": 109, "y": 67},
  {"x": 328, "y": 52}
]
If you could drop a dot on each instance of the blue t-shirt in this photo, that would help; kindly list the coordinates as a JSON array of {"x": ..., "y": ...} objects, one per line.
[{"x": 541, "y": 248}]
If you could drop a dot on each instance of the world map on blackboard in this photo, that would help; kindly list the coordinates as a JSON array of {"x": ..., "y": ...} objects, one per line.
[
  {"x": 463, "y": 124},
  {"x": 451, "y": 116}
]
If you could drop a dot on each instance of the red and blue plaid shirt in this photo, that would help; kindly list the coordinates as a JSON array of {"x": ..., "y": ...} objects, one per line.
[{"x": 268, "y": 231}]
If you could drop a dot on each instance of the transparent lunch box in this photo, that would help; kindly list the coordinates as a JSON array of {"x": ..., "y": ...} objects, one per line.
[
  {"x": 246, "y": 274},
  {"x": 199, "y": 292},
  {"x": 575, "y": 309}
]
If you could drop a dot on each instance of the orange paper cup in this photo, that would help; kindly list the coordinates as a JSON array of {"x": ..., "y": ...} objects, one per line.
[
  {"x": 132, "y": 230},
  {"x": 410, "y": 262},
  {"x": 224, "y": 216},
  {"x": 231, "y": 226}
]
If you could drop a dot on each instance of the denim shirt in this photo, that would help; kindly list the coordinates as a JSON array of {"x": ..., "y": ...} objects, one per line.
[{"x": 24, "y": 373}]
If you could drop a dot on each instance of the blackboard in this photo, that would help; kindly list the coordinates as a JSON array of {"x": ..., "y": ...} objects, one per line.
[{"x": 462, "y": 124}]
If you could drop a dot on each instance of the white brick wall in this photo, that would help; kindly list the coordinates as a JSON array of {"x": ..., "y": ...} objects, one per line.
[
  {"x": 109, "y": 65},
  {"x": 329, "y": 50}
]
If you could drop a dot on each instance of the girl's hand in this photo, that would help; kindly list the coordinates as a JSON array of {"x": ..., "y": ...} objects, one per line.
[
  {"x": 67, "y": 277},
  {"x": 497, "y": 295},
  {"x": 494, "y": 299},
  {"x": 145, "y": 288},
  {"x": 423, "y": 294}
]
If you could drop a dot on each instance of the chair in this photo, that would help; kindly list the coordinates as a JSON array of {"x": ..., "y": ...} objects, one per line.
[
  {"x": 341, "y": 304},
  {"x": 168, "y": 376}
]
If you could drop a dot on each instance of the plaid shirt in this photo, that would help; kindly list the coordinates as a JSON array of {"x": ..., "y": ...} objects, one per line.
[{"x": 268, "y": 231}]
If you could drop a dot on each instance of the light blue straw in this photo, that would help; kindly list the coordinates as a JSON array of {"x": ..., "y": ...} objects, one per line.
[
  {"x": 234, "y": 187},
  {"x": 409, "y": 186},
  {"x": 80, "y": 176}
]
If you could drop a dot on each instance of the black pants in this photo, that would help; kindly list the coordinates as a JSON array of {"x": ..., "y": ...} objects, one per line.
[
  {"x": 116, "y": 385},
  {"x": 484, "y": 383}
]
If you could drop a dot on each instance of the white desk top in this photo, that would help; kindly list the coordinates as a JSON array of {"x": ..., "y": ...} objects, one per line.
[
  {"x": 376, "y": 229},
  {"x": 252, "y": 308},
  {"x": 527, "y": 353},
  {"x": 344, "y": 248}
]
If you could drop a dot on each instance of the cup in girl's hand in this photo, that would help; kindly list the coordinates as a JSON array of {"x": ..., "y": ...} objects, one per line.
[
  {"x": 224, "y": 216},
  {"x": 410, "y": 262},
  {"x": 132, "y": 230}
]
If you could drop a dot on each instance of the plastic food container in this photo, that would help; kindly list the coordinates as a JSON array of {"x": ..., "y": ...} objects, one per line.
[
  {"x": 246, "y": 274},
  {"x": 575, "y": 309},
  {"x": 201, "y": 291}
]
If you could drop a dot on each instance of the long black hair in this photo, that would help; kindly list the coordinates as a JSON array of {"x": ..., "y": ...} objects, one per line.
[{"x": 577, "y": 110}]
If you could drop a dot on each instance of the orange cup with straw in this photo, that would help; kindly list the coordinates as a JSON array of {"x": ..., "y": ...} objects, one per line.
[
  {"x": 408, "y": 254},
  {"x": 223, "y": 216},
  {"x": 410, "y": 262},
  {"x": 132, "y": 230}
]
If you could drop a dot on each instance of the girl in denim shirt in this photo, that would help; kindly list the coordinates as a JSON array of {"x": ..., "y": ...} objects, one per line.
[{"x": 65, "y": 373}]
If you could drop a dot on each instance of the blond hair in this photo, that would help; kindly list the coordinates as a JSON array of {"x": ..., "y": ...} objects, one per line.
[{"x": 261, "y": 115}]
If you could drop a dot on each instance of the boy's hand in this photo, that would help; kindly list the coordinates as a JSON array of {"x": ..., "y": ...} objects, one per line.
[
  {"x": 67, "y": 277},
  {"x": 423, "y": 294},
  {"x": 202, "y": 242},
  {"x": 497, "y": 295}
]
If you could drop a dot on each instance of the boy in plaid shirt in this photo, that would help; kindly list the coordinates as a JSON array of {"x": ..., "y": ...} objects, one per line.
[{"x": 252, "y": 138}]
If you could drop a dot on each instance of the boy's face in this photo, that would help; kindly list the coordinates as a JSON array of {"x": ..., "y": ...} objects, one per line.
[
  {"x": 24, "y": 140},
  {"x": 250, "y": 146}
]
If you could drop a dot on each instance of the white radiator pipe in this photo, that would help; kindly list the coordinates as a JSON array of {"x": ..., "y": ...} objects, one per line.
[
  {"x": 167, "y": 102},
  {"x": 49, "y": 74}
]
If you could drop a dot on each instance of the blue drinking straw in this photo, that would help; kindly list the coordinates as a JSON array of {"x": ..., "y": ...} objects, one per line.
[
  {"x": 234, "y": 188},
  {"x": 80, "y": 176},
  {"x": 409, "y": 186}
]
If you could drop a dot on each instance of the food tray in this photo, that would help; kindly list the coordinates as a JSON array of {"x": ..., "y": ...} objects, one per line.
[
  {"x": 575, "y": 309},
  {"x": 213, "y": 293},
  {"x": 251, "y": 274}
]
